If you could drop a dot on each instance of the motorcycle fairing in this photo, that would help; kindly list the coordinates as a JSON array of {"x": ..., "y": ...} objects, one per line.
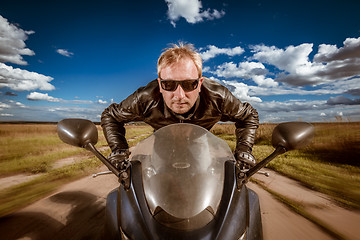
[
  {"x": 183, "y": 185},
  {"x": 111, "y": 228},
  {"x": 231, "y": 220},
  {"x": 183, "y": 171}
]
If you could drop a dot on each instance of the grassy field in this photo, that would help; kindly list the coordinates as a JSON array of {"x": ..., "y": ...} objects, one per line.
[
  {"x": 32, "y": 149},
  {"x": 330, "y": 164}
]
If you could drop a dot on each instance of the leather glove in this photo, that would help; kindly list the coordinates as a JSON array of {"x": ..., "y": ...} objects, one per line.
[
  {"x": 119, "y": 158},
  {"x": 245, "y": 158}
]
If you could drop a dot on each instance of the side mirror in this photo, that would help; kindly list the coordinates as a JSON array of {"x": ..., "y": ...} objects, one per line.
[
  {"x": 292, "y": 135},
  {"x": 77, "y": 132},
  {"x": 286, "y": 136}
]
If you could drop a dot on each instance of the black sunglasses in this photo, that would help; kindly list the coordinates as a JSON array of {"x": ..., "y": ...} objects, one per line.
[{"x": 187, "y": 85}]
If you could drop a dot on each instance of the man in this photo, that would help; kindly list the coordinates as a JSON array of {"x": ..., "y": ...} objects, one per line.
[{"x": 180, "y": 94}]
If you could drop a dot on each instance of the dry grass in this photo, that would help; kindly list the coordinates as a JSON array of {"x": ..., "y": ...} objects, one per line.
[
  {"x": 33, "y": 148},
  {"x": 223, "y": 129},
  {"x": 30, "y": 148},
  {"x": 337, "y": 143},
  {"x": 333, "y": 142},
  {"x": 23, "y": 130},
  {"x": 330, "y": 164}
]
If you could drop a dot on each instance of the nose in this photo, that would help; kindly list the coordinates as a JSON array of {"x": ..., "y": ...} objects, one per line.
[{"x": 179, "y": 93}]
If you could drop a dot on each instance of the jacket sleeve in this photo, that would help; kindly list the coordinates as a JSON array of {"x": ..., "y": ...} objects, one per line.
[
  {"x": 246, "y": 121},
  {"x": 115, "y": 116}
]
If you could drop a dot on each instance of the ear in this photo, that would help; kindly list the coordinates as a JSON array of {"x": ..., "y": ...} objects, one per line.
[
  {"x": 161, "y": 90},
  {"x": 200, "y": 83}
]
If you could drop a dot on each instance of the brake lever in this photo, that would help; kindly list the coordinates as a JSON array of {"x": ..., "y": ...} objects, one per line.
[
  {"x": 101, "y": 173},
  {"x": 124, "y": 173},
  {"x": 264, "y": 173},
  {"x": 242, "y": 175}
]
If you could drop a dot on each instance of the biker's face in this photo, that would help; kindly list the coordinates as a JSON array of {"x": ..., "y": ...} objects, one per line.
[{"x": 180, "y": 101}]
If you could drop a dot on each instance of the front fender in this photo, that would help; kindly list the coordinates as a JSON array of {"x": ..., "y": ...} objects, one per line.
[{"x": 111, "y": 229}]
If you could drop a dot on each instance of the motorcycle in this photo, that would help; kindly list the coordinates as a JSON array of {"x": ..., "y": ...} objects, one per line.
[{"x": 183, "y": 182}]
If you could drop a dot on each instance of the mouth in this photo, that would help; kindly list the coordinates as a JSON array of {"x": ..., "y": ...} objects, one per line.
[{"x": 180, "y": 104}]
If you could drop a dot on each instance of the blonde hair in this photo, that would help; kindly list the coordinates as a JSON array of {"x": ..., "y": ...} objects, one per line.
[{"x": 177, "y": 52}]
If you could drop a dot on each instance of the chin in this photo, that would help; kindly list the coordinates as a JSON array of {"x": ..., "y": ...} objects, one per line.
[{"x": 180, "y": 110}]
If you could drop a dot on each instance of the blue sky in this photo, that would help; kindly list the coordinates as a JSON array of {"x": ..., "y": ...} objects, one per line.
[{"x": 292, "y": 60}]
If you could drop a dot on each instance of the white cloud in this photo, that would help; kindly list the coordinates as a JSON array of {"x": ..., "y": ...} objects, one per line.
[
  {"x": 92, "y": 113},
  {"x": 246, "y": 70},
  {"x": 52, "y": 113},
  {"x": 334, "y": 77},
  {"x": 341, "y": 100},
  {"x": 191, "y": 11},
  {"x": 36, "y": 96},
  {"x": 12, "y": 43},
  {"x": 334, "y": 87},
  {"x": 290, "y": 71},
  {"x": 330, "y": 63},
  {"x": 101, "y": 101},
  {"x": 213, "y": 51},
  {"x": 78, "y": 101},
  {"x": 64, "y": 52},
  {"x": 4, "y": 105},
  {"x": 206, "y": 69},
  {"x": 291, "y": 106},
  {"x": 264, "y": 81},
  {"x": 240, "y": 90},
  {"x": 10, "y": 108},
  {"x": 297, "y": 100},
  {"x": 292, "y": 60},
  {"x": 310, "y": 110},
  {"x": 275, "y": 111},
  {"x": 12, "y": 47},
  {"x": 328, "y": 53},
  {"x": 17, "y": 104},
  {"x": 22, "y": 80},
  {"x": 6, "y": 115}
]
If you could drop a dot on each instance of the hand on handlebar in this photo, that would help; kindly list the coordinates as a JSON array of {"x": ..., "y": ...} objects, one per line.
[
  {"x": 120, "y": 159},
  {"x": 245, "y": 159}
]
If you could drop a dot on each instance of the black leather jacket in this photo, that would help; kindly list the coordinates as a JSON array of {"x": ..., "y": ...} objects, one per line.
[{"x": 215, "y": 103}]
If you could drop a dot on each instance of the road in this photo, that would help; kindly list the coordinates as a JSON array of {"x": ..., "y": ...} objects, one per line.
[{"x": 76, "y": 211}]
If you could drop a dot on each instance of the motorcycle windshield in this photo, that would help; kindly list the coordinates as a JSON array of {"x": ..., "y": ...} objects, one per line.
[{"x": 183, "y": 169}]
